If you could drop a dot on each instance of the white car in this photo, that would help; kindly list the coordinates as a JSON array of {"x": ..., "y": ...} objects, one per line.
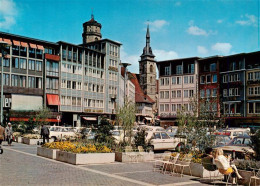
[
  {"x": 160, "y": 140},
  {"x": 233, "y": 132},
  {"x": 58, "y": 132}
]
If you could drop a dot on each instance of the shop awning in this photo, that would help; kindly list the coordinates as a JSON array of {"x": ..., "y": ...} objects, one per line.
[
  {"x": 147, "y": 118},
  {"x": 53, "y": 99},
  {"x": 33, "y": 45},
  {"x": 90, "y": 118},
  {"x": 40, "y": 47},
  {"x": 8, "y": 41},
  {"x": 27, "y": 119},
  {"x": 24, "y": 44},
  {"x": 17, "y": 43}
]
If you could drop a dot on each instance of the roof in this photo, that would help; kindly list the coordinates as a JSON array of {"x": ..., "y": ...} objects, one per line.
[
  {"x": 180, "y": 59},
  {"x": 102, "y": 40},
  {"x": 140, "y": 97},
  {"x": 14, "y": 36}
]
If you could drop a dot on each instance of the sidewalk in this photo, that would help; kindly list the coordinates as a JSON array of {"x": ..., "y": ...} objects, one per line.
[{"x": 19, "y": 165}]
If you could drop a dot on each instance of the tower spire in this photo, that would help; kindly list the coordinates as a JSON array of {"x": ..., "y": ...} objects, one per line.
[
  {"x": 147, "y": 51},
  {"x": 92, "y": 15}
]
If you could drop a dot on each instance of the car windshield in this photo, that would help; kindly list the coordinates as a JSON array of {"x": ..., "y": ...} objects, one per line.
[
  {"x": 164, "y": 135},
  {"x": 116, "y": 133},
  {"x": 239, "y": 141}
]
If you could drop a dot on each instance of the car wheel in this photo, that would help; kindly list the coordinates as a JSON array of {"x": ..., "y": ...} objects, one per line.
[{"x": 53, "y": 138}]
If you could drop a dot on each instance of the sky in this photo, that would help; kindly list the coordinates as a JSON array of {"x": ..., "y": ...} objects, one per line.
[{"x": 178, "y": 28}]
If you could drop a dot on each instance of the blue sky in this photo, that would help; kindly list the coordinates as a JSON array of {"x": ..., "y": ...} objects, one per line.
[{"x": 179, "y": 28}]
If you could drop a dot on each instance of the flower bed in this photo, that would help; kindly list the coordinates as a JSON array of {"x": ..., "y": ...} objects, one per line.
[
  {"x": 18, "y": 139},
  {"x": 79, "y": 153}
]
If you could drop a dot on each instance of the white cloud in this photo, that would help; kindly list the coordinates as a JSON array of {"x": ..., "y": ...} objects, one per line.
[
  {"x": 178, "y": 3},
  {"x": 223, "y": 48},
  {"x": 202, "y": 50},
  {"x": 162, "y": 55},
  {"x": 220, "y": 21},
  {"x": 156, "y": 25},
  {"x": 195, "y": 30},
  {"x": 132, "y": 59},
  {"x": 8, "y": 11},
  {"x": 247, "y": 20}
]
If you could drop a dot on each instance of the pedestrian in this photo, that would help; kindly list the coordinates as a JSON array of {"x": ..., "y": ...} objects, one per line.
[
  {"x": 9, "y": 134},
  {"x": 45, "y": 132},
  {"x": 2, "y": 131}
]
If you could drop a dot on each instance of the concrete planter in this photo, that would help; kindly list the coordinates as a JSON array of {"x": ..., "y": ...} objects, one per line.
[
  {"x": 29, "y": 141},
  {"x": 197, "y": 170},
  {"x": 46, "y": 152},
  {"x": 19, "y": 139},
  {"x": 134, "y": 156},
  {"x": 246, "y": 175},
  {"x": 82, "y": 159}
]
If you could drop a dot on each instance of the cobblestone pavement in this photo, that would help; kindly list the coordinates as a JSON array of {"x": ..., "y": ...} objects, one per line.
[{"x": 19, "y": 165}]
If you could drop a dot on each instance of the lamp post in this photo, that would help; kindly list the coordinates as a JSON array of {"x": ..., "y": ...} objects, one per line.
[
  {"x": 3, "y": 46},
  {"x": 125, "y": 65}
]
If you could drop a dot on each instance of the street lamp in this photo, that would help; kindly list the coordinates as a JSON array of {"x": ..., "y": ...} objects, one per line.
[
  {"x": 125, "y": 66},
  {"x": 3, "y": 46}
]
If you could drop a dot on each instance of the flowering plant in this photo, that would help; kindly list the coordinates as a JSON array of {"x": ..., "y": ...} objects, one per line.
[
  {"x": 77, "y": 147},
  {"x": 32, "y": 136}
]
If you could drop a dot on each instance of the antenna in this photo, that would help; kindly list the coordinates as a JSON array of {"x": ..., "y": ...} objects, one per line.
[{"x": 92, "y": 15}]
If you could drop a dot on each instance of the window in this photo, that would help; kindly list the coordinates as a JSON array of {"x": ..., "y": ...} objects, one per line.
[
  {"x": 178, "y": 93},
  {"x": 251, "y": 108},
  {"x": 202, "y": 79},
  {"x": 74, "y": 103},
  {"x": 179, "y": 80},
  {"x": 52, "y": 83},
  {"x": 22, "y": 63},
  {"x": 162, "y": 107},
  {"x": 215, "y": 78},
  {"x": 257, "y": 107},
  {"x": 202, "y": 93},
  {"x": 173, "y": 80},
  {"x": 208, "y": 78},
  {"x": 213, "y": 67},
  {"x": 178, "y": 107},
  {"x": 236, "y": 92},
  {"x": 225, "y": 92},
  {"x": 224, "y": 78},
  {"x": 162, "y": 81},
  {"x": 257, "y": 75},
  {"x": 186, "y": 79},
  {"x": 68, "y": 84},
  {"x": 186, "y": 93},
  {"x": 151, "y": 68},
  {"x": 79, "y": 85},
  {"x": 167, "y": 81},
  {"x": 22, "y": 81},
  {"x": 166, "y": 109},
  {"x": 190, "y": 68},
  {"x": 31, "y": 82},
  {"x": 250, "y": 76},
  {"x": 63, "y": 100},
  {"x": 6, "y": 62},
  {"x": 214, "y": 92},
  {"x": 173, "y": 107},
  {"x": 250, "y": 91},
  {"x": 162, "y": 94},
  {"x": 15, "y": 62},
  {"x": 166, "y": 95},
  {"x": 31, "y": 64},
  {"x": 179, "y": 69},
  {"x": 167, "y": 71},
  {"x": 174, "y": 94},
  {"x": 68, "y": 100},
  {"x": 38, "y": 66},
  {"x": 191, "y": 93},
  {"x": 208, "y": 91},
  {"x": 38, "y": 82},
  {"x": 14, "y": 80},
  {"x": 6, "y": 78},
  {"x": 78, "y": 101},
  {"x": 191, "y": 78}
]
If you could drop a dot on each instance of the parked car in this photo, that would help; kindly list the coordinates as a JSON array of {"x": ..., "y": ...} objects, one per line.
[
  {"x": 238, "y": 146},
  {"x": 221, "y": 140},
  {"x": 160, "y": 140},
  {"x": 233, "y": 132},
  {"x": 58, "y": 132},
  {"x": 87, "y": 133}
]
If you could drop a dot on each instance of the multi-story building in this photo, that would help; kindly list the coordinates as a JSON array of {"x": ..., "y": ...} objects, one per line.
[
  {"x": 252, "y": 89},
  {"x": 31, "y": 77},
  {"x": 177, "y": 87},
  {"x": 79, "y": 81},
  {"x": 233, "y": 87},
  {"x": 209, "y": 89}
]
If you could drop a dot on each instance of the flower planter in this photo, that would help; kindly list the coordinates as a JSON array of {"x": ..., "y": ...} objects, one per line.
[
  {"x": 134, "y": 156},
  {"x": 29, "y": 141},
  {"x": 46, "y": 152},
  {"x": 82, "y": 159},
  {"x": 19, "y": 139},
  {"x": 197, "y": 170}
]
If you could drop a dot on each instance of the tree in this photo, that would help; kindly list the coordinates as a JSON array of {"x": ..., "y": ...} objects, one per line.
[
  {"x": 42, "y": 117},
  {"x": 103, "y": 134},
  {"x": 126, "y": 118}
]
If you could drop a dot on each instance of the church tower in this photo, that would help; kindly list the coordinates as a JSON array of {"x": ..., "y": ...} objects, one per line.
[
  {"x": 91, "y": 31},
  {"x": 147, "y": 69}
]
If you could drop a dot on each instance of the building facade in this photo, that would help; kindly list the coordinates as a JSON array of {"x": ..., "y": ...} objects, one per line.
[
  {"x": 177, "y": 87},
  {"x": 78, "y": 83}
]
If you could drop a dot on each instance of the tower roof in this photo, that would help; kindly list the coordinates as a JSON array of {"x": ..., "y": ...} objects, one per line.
[
  {"x": 92, "y": 22},
  {"x": 147, "y": 51}
]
